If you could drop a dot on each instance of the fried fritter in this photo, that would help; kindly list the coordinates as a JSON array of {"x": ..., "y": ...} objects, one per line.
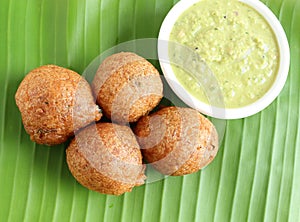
[
  {"x": 177, "y": 141},
  {"x": 106, "y": 158},
  {"x": 127, "y": 87},
  {"x": 54, "y": 102}
]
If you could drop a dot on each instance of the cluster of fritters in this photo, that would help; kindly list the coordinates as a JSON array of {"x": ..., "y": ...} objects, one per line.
[{"x": 107, "y": 155}]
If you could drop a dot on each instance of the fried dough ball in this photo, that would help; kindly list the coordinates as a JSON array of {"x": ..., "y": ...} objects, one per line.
[
  {"x": 106, "y": 158},
  {"x": 177, "y": 141},
  {"x": 127, "y": 87},
  {"x": 54, "y": 102}
]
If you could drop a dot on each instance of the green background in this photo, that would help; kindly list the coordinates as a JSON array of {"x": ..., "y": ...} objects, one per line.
[{"x": 255, "y": 176}]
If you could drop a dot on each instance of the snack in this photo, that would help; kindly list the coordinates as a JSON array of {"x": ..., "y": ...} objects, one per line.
[
  {"x": 177, "y": 141},
  {"x": 106, "y": 158},
  {"x": 127, "y": 87},
  {"x": 54, "y": 102}
]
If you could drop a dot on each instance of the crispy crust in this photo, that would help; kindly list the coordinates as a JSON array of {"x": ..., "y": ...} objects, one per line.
[
  {"x": 127, "y": 87},
  {"x": 177, "y": 141},
  {"x": 54, "y": 102},
  {"x": 106, "y": 158}
]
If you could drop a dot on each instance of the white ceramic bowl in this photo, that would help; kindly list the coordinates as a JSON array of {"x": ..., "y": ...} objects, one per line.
[{"x": 225, "y": 113}]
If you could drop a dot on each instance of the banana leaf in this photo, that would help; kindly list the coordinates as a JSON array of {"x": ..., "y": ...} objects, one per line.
[{"x": 255, "y": 176}]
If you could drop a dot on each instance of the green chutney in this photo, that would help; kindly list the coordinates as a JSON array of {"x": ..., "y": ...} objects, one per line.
[{"x": 237, "y": 44}]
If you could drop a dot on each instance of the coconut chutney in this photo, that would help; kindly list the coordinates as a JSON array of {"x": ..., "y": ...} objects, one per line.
[{"x": 237, "y": 44}]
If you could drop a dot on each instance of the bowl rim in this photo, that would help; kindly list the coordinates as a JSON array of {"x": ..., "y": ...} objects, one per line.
[{"x": 216, "y": 112}]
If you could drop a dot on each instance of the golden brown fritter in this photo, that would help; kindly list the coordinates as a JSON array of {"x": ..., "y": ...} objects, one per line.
[
  {"x": 106, "y": 158},
  {"x": 177, "y": 141},
  {"x": 127, "y": 87},
  {"x": 54, "y": 102}
]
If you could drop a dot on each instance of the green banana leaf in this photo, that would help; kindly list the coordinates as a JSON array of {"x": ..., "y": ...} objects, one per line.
[{"x": 255, "y": 176}]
